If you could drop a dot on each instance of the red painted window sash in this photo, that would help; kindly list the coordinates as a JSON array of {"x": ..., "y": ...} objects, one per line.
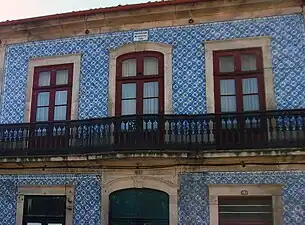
[
  {"x": 139, "y": 80},
  {"x": 52, "y": 88},
  {"x": 238, "y": 75}
]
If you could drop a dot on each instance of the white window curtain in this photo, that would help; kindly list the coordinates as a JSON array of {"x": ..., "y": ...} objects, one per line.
[
  {"x": 61, "y": 97},
  {"x": 151, "y": 100},
  {"x": 60, "y": 110},
  {"x": 248, "y": 62},
  {"x": 42, "y": 112},
  {"x": 43, "y": 99},
  {"x": 129, "y": 68},
  {"x": 129, "y": 99},
  {"x": 44, "y": 79},
  {"x": 61, "y": 77},
  {"x": 226, "y": 64},
  {"x": 250, "y": 91},
  {"x": 150, "y": 66},
  {"x": 228, "y": 95}
]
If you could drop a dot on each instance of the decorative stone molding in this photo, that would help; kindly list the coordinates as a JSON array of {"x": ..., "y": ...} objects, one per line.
[
  {"x": 143, "y": 18},
  {"x": 239, "y": 43},
  {"x": 165, "y": 49},
  {"x": 54, "y": 60},
  {"x": 67, "y": 191},
  {"x": 165, "y": 181},
  {"x": 274, "y": 190},
  {"x": 2, "y": 63}
]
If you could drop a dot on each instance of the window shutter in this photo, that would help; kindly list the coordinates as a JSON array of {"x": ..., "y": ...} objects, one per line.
[{"x": 236, "y": 210}]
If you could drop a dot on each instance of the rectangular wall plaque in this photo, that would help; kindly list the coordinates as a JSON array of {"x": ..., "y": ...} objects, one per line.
[{"x": 140, "y": 36}]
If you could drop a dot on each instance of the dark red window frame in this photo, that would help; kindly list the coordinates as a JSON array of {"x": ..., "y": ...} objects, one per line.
[
  {"x": 238, "y": 75},
  {"x": 139, "y": 79},
  {"x": 52, "y": 88}
]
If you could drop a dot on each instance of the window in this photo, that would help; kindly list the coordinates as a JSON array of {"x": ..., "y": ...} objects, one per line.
[
  {"x": 139, "y": 84},
  {"x": 246, "y": 210},
  {"x": 44, "y": 210},
  {"x": 245, "y": 204},
  {"x": 239, "y": 87},
  {"x": 45, "y": 205},
  {"x": 238, "y": 80},
  {"x": 52, "y": 90},
  {"x": 262, "y": 43}
]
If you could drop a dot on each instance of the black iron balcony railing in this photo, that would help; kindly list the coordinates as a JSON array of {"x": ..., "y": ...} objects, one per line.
[{"x": 269, "y": 129}]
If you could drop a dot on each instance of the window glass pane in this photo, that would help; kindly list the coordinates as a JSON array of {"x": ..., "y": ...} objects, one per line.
[
  {"x": 42, "y": 114},
  {"x": 150, "y": 66},
  {"x": 251, "y": 102},
  {"x": 129, "y": 68},
  {"x": 43, "y": 99},
  {"x": 62, "y": 77},
  {"x": 60, "y": 112},
  {"x": 151, "y": 89},
  {"x": 129, "y": 90},
  {"x": 44, "y": 79},
  {"x": 227, "y": 87},
  {"x": 228, "y": 104},
  {"x": 150, "y": 106},
  {"x": 45, "y": 205},
  {"x": 250, "y": 86},
  {"x": 226, "y": 64},
  {"x": 248, "y": 62},
  {"x": 129, "y": 107},
  {"x": 61, "y": 97}
]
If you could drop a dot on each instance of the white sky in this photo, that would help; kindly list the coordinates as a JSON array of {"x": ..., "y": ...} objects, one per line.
[{"x": 18, "y": 9}]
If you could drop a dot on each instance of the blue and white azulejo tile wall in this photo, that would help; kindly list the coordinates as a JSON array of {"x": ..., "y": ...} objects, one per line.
[
  {"x": 194, "y": 197},
  {"x": 288, "y": 52},
  {"x": 86, "y": 201}
]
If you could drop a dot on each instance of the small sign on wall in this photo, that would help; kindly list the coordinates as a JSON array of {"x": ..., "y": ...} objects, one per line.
[{"x": 140, "y": 36}]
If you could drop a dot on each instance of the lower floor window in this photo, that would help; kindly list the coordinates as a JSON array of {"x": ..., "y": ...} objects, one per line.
[
  {"x": 246, "y": 210},
  {"x": 45, "y": 205},
  {"x": 44, "y": 210}
]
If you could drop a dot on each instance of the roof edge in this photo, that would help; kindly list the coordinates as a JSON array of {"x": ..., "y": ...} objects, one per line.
[{"x": 100, "y": 10}]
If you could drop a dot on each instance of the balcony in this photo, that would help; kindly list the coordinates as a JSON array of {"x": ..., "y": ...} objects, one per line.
[{"x": 209, "y": 132}]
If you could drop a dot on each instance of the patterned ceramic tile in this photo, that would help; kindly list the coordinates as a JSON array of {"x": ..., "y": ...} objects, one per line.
[
  {"x": 288, "y": 50},
  {"x": 193, "y": 202},
  {"x": 87, "y": 195}
]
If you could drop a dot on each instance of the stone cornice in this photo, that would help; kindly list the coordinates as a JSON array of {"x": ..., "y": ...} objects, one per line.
[{"x": 145, "y": 18}]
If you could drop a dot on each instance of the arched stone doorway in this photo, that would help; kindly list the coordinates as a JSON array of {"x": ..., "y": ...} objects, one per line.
[{"x": 138, "y": 206}]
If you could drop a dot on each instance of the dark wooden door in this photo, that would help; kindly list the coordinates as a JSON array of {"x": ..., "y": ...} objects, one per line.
[{"x": 139, "y": 207}]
